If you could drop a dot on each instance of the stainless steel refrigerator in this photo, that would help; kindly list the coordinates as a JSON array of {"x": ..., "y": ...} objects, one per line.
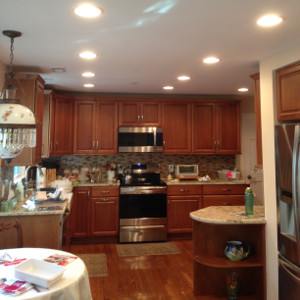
[{"x": 288, "y": 201}]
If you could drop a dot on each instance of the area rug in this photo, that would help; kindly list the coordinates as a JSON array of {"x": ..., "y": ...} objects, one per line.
[
  {"x": 147, "y": 249},
  {"x": 96, "y": 264}
]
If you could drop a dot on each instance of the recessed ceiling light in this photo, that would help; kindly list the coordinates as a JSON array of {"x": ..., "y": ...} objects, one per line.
[
  {"x": 88, "y": 55},
  {"x": 89, "y": 85},
  {"x": 88, "y": 74},
  {"x": 243, "y": 89},
  {"x": 168, "y": 87},
  {"x": 87, "y": 10},
  {"x": 210, "y": 60},
  {"x": 183, "y": 78},
  {"x": 269, "y": 20}
]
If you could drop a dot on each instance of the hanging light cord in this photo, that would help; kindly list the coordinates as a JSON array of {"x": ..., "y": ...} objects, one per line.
[{"x": 11, "y": 58}]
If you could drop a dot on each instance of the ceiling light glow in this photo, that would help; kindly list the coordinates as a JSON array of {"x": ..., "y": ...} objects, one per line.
[
  {"x": 88, "y": 55},
  {"x": 243, "y": 89},
  {"x": 87, "y": 10},
  {"x": 89, "y": 85},
  {"x": 88, "y": 74},
  {"x": 168, "y": 88},
  {"x": 183, "y": 78},
  {"x": 269, "y": 20},
  {"x": 210, "y": 60}
]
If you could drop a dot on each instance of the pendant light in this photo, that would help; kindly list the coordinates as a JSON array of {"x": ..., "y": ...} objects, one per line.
[{"x": 17, "y": 122}]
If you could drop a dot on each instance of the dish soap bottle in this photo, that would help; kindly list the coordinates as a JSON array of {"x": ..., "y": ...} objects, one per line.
[{"x": 249, "y": 202}]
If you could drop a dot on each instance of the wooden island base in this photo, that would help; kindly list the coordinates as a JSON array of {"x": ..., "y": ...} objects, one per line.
[{"x": 212, "y": 268}]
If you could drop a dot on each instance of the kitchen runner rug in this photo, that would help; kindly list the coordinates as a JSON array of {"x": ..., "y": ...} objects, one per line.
[
  {"x": 147, "y": 249},
  {"x": 96, "y": 264}
]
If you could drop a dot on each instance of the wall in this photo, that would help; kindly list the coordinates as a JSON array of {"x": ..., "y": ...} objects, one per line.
[
  {"x": 2, "y": 72},
  {"x": 267, "y": 67}
]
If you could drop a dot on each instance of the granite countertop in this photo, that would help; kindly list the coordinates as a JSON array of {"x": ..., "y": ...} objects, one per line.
[
  {"x": 228, "y": 215},
  {"x": 97, "y": 184},
  {"x": 214, "y": 181},
  {"x": 47, "y": 208}
]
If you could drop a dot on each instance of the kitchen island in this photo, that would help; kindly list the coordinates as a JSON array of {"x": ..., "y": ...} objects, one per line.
[
  {"x": 212, "y": 228},
  {"x": 42, "y": 224}
]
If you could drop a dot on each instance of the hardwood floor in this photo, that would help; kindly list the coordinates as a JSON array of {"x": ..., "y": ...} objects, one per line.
[{"x": 160, "y": 277}]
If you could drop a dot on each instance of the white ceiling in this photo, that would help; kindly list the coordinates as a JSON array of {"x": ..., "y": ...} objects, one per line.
[{"x": 143, "y": 45}]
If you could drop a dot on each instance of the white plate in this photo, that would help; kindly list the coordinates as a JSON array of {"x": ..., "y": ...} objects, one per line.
[{"x": 39, "y": 272}]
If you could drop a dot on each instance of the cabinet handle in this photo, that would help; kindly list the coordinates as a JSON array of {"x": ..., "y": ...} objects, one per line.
[
  {"x": 226, "y": 190},
  {"x": 142, "y": 117},
  {"x": 97, "y": 145},
  {"x": 105, "y": 192},
  {"x": 181, "y": 190},
  {"x": 93, "y": 145},
  {"x": 139, "y": 117},
  {"x": 104, "y": 199},
  {"x": 88, "y": 193}
]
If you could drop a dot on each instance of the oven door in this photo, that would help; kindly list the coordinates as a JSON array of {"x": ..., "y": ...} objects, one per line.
[{"x": 143, "y": 216}]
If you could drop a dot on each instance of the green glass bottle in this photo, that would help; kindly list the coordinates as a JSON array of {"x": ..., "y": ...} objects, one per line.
[{"x": 249, "y": 202}]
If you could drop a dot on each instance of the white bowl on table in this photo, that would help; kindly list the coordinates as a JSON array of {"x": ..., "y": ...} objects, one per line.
[{"x": 39, "y": 272}]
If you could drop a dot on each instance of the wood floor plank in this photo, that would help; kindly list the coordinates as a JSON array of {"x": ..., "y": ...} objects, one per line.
[{"x": 157, "y": 277}]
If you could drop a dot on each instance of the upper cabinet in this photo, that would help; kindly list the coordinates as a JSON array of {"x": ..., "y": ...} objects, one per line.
[
  {"x": 216, "y": 128},
  {"x": 61, "y": 119},
  {"x": 259, "y": 160},
  {"x": 139, "y": 114},
  {"x": 177, "y": 127},
  {"x": 288, "y": 92},
  {"x": 95, "y": 127},
  {"x": 30, "y": 92}
]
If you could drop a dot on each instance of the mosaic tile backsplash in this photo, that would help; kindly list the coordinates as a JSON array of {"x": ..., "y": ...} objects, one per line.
[{"x": 207, "y": 164}]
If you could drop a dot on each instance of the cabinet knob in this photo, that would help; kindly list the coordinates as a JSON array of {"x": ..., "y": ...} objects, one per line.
[
  {"x": 139, "y": 117},
  {"x": 181, "y": 190}
]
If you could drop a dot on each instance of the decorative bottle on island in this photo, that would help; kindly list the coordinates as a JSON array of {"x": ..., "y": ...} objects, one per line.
[{"x": 249, "y": 202}]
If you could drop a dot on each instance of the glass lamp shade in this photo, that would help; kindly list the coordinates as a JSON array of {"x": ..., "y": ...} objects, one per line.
[{"x": 17, "y": 129}]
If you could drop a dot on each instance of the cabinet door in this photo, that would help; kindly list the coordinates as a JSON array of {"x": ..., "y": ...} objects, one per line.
[
  {"x": 61, "y": 125},
  {"x": 104, "y": 216},
  {"x": 106, "y": 123},
  {"x": 228, "y": 128},
  {"x": 39, "y": 113},
  {"x": 222, "y": 200},
  {"x": 85, "y": 127},
  {"x": 129, "y": 113},
  {"x": 179, "y": 209},
  {"x": 204, "y": 128},
  {"x": 177, "y": 127},
  {"x": 288, "y": 91},
  {"x": 80, "y": 213},
  {"x": 150, "y": 115}
]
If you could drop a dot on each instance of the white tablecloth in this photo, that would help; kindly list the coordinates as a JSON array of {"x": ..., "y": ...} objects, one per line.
[{"x": 74, "y": 284}]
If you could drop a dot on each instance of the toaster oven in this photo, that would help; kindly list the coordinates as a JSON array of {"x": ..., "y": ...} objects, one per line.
[{"x": 187, "y": 171}]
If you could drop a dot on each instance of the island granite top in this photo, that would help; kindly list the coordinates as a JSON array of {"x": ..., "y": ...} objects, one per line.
[{"x": 228, "y": 215}]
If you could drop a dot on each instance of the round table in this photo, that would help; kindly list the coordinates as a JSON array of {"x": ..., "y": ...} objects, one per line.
[{"x": 74, "y": 284}]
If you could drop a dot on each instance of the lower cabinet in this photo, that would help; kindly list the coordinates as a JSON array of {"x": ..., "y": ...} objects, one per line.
[
  {"x": 93, "y": 215},
  {"x": 182, "y": 199}
]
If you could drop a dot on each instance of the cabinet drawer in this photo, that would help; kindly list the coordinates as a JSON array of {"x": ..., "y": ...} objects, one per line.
[
  {"x": 184, "y": 190},
  {"x": 222, "y": 200},
  {"x": 224, "y": 189},
  {"x": 105, "y": 191}
]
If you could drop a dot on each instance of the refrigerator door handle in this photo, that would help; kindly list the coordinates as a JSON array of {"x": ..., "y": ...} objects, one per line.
[
  {"x": 295, "y": 181},
  {"x": 290, "y": 269}
]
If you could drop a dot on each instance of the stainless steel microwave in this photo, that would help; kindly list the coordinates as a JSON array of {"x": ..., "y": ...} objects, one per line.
[{"x": 140, "y": 139}]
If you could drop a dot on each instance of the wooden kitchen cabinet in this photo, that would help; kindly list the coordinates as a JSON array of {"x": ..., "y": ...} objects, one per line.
[
  {"x": 139, "y": 114},
  {"x": 182, "y": 199},
  {"x": 223, "y": 194},
  {"x": 95, "y": 127},
  {"x": 95, "y": 211},
  {"x": 30, "y": 92},
  {"x": 80, "y": 211},
  {"x": 61, "y": 121},
  {"x": 177, "y": 127},
  {"x": 216, "y": 128},
  {"x": 288, "y": 91}
]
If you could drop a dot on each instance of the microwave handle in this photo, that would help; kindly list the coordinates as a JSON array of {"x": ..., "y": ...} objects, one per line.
[{"x": 154, "y": 136}]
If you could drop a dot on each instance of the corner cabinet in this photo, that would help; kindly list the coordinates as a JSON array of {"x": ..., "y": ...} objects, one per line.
[
  {"x": 139, "y": 114},
  {"x": 95, "y": 127},
  {"x": 95, "y": 211},
  {"x": 288, "y": 93},
  {"x": 61, "y": 120},
  {"x": 176, "y": 120}
]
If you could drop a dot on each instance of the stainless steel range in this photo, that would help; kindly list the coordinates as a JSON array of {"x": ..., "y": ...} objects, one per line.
[{"x": 143, "y": 207}]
